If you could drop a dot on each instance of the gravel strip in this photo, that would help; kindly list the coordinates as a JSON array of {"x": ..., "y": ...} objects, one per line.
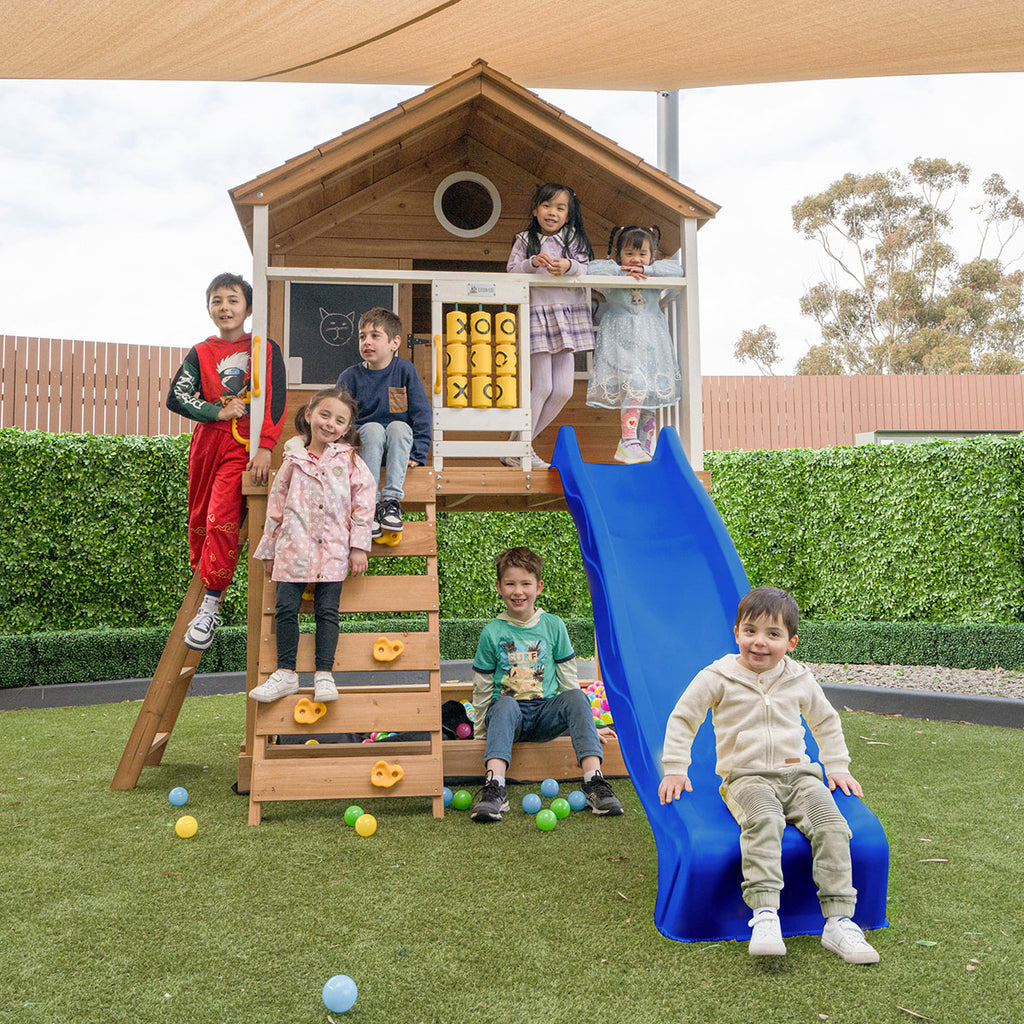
[{"x": 988, "y": 682}]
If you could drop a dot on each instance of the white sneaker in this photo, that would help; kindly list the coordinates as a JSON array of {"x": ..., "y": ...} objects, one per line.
[
  {"x": 538, "y": 462},
  {"x": 766, "y": 937},
  {"x": 324, "y": 688},
  {"x": 631, "y": 451},
  {"x": 199, "y": 634},
  {"x": 844, "y": 938},
  {"x": 280, "y": 684}
]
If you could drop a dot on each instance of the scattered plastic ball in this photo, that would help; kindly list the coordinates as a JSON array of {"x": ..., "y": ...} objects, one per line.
[
  {"x": 312, "y": 743},
  {"x": 186, "y": 826},
  {"x": 546, "y": 820},
  {"x": 462, "y": 799},
  {"x": 353, "y": 814},
  {"x": 549, "y": 788},
  {"x": 577, "y": 800},
  {"x": 340, "y": 993},
  {"x": 366, "y": 825},
  {"x": 448, "y": 796},
  {"x": 463, "y": 730},
  {"x": 531, "y": 803},
  {"x": 560, "y": 808},
  {"x": 178, "y": 796}
]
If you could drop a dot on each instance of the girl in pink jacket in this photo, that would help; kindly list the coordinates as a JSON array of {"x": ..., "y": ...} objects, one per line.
[{"x": 317, "y": 533}]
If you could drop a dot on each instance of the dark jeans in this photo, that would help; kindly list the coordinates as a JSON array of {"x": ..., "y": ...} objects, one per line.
[{"x": 325, "y": 608}]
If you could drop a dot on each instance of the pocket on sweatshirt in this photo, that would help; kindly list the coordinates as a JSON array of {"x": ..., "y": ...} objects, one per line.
[{"x": 398, "y": 400}]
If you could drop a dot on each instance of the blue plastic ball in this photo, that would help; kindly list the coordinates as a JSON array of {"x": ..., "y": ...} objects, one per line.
[
  {"x": 340, "y": 994},
  {"x": 448, "y": 796},
  {"x": 549, "y": 788},
  {"x": 577, "y": 800},
  {"x": 531, "y": 803},
  {"x": 178, "y": 796}
]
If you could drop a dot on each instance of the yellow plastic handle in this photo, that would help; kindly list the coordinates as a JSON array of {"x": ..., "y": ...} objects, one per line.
[
  {"x": 243, "y": 441},
  {"x": 257, "y": 341},
  {"x": 439, "y": 359}
]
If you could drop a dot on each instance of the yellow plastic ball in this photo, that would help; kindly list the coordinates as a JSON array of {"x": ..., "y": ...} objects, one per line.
[
  {"x": 366, "y": 824},
  {"x": 186, "y": 826}
]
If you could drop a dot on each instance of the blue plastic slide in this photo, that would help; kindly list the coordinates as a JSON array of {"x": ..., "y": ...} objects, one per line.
[{"x": 665, "y": 580}]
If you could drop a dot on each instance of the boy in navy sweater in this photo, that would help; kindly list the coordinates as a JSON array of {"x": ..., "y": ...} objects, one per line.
[{"x": 394, "y": 420}]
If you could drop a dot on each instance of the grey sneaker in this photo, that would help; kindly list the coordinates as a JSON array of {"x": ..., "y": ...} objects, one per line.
[
  {"x": 378, "y": 514},
  {"x": 279, "y": 684},
  {"x": 490, "y": 801},
  {"x": 600, "y": 796},
  {"x": 199, "y": 634},
  {"x": 844, "y": 938},
  {"x": 324, "y": 687},
  {"x": 391, "y": 515},
  {"x": 766, "y": 935}
]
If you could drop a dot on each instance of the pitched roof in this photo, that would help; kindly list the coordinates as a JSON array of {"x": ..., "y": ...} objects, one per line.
[{"x": 478, "y": 118}]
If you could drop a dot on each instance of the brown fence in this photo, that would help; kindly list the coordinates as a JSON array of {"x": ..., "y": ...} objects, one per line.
[
  {"x": 815, "y": 412},
  {"x": 94, "y": 387},
  {"x": 87, "y": 387}
]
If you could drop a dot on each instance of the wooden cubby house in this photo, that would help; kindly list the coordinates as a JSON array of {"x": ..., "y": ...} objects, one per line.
[{"x": 417, "y": 209}]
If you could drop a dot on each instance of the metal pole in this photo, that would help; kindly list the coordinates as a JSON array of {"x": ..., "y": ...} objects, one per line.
[
  {"x": 668, "y": 132},
  {"x": 688, "y": 415}
]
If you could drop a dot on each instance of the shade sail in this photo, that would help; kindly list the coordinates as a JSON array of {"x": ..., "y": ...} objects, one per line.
[{"x": 656, "y": 44}]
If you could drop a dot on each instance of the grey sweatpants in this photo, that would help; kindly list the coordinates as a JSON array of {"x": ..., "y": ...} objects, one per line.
[{"x": 762, "y": 803}]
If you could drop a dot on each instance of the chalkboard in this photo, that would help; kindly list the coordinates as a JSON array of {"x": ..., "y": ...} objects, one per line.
[{"x": 323, "y": 326}]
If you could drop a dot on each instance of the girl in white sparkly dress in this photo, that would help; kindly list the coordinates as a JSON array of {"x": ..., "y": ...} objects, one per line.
[{"x": 635, "y": 366}]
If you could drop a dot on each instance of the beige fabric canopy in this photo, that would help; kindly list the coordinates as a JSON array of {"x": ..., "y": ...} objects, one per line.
[{"x": 654, "y": 44}]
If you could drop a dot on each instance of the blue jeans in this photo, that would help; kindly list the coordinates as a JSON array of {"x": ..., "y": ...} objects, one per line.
[
  {"x": 325, "y": 609},
  {"x": 394, "y": 442},
  {"x": 539, "y": 720}
]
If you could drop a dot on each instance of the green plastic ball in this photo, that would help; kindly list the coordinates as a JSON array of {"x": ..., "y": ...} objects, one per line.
[
  {"x": 352, "y": 815},
  {"x": 546, "y": 820},
  {"x": 560, "y": 807},
  {"x": 462, "y": 799}
]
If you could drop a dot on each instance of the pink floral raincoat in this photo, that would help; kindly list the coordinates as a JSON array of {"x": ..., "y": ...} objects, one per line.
[{"x": 318, "y": 510}]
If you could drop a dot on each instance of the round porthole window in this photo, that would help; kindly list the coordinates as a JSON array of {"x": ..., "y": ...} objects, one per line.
[{"x": 467, "y": 204}]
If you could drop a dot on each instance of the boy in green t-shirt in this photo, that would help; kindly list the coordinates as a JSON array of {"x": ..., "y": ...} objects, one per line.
[{"x": 525, "y": 688}]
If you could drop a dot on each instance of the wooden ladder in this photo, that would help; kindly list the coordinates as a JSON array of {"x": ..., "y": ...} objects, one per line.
[
  {"x": 166, "y": 694},
  {"x": 329, "y": 769}
]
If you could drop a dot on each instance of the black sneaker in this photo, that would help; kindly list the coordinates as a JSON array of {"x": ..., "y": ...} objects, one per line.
[
  {"x": 390, "y": 518},
  {"x": 378, "y": 514},
  {"x": 600, "y": 796},
  {"x": 490, "y": 801}
]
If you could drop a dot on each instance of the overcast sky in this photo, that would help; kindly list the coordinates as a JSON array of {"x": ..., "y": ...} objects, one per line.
[{"x": 114, "y": 211}]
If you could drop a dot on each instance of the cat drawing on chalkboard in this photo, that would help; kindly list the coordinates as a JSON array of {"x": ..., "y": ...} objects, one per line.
[{"x": 337, "y": 329}]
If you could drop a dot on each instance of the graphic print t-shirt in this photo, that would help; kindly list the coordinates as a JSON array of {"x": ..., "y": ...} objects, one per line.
[{"x": 522, "y": 659}]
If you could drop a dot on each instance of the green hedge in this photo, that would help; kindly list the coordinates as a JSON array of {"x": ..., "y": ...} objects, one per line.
[
  {"x": 919, "y": 532},
  {"x": 95, "y": 534},
  {"x": 90, "y": 655}
]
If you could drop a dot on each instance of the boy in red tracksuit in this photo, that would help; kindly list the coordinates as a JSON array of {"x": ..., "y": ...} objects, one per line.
[{"x": 212, "y": 387}]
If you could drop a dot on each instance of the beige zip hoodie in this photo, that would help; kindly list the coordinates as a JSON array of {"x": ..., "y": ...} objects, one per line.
[{"x": 757, "y": 719}]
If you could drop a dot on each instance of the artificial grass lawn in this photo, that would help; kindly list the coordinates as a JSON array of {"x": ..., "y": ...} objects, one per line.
[{"x": 109, "y": 917}]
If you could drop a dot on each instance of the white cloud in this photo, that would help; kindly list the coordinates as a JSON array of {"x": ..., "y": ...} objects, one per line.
[{"x": 114, "y": 210}]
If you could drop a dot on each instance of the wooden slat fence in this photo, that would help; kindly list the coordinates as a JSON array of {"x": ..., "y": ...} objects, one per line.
[
  {"x": 94, "y": 387},
  {"x": 816, "y": 412},
  {"x": 87, "y": 387}
]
